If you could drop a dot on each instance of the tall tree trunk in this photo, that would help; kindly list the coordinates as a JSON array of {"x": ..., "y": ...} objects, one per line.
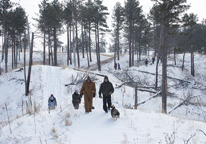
[
  {"x": 52, "y": 56},
  {"x": 74, "y": 49},
  {"x": 6, "y": 51},
  {"x": 2, "y": 57},
  {"x": 115, "y": 50},
  {"x": 174, "y": 57},
  {"x": 99, "y": 62},
  {"x": 12, "y": 54},
  {"x": 87, "y": 49},
  {"x": 156, "y": 75},
  {"x": 49, "y": 48},
  {"x": 44, "y": 48},
  {"x": 20, "y": 43},
  {"x": 154, "y": 39},
  {"x": 192, "y": 61},
  {"x": 183, "y": 59},
  {"x": 55, "y": 47},
  {"x": 16, "y": 57},
  {"x": 68, "y": 44},
  {"x": 132, "y": 46},
  {"x": 130, "y": 42},
  {"x": 25, "y": 62},
  {"x": 82, "y": 42},
  {"x": 77, "y": 47},
  {"x": 164, "y": 69},
  {"x": 118, "y": 49},
  {"x": 30, "y": 64},
  {"x": 140, "y": 52},
  {"x": 96, "y": 47},
  {"x": 90, "y": 51}
]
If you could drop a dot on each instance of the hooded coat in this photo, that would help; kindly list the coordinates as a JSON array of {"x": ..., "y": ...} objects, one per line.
[
  {"x": 88, "y": 88},
  {"x": 52, "y": 102},
  {"x": 106, "y": 88}
]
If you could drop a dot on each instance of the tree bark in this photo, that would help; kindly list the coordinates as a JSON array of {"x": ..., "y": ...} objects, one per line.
[
  {"x": 156, "y": 75},
  {"x": 87, "y": 49},
  {"x": 174, "y": 57},
  {"x": 55, "y": 47},
  {"x": 68, "y": 45},
  {"x": 90, "y": 52},
  {"x": 6, "y": 51},
  {"x": 164, "y": 69},
  {"x": 44, "y": 48},
  {"x": 49, "y": 48},
  {"x": 82, "y": 41},
  {"x": 130, "y": 41},
  {"x": 25, "y": 62},
  {"x": 192, "y": 61},
  {"x": 2, "y": 57},
  {"x": 30, "y": 64},
  {"x": 77, "y": 47},
  {"x": 136, "y": 98}
]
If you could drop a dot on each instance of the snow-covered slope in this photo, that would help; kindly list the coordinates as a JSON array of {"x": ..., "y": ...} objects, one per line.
[{"x": 65, "y": 125}]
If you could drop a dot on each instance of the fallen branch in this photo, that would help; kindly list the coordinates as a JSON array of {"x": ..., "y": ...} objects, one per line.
[
  {"x": 202, "y": 132},
  {"x": 167, "y": 76},
  {"x": 186, "y": 142},
  {"x": 154, "y": 96},
  {"x": 20, "y": 69},
  {"x": 180, "y": 104}
]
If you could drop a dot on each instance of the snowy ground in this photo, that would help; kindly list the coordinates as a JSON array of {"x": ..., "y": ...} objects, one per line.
[{"x": 65, "y": 125}]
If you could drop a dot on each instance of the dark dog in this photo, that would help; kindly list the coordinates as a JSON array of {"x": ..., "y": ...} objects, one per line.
[{"x": 114, "y": 112}]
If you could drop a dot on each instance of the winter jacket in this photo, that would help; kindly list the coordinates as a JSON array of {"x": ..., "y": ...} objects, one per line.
[
  {"x": 76, "y": 97},
  {"x": 88, "y": 88},
  {"x": 52, "y": 103},
  {"x": 106, "y": 88}
]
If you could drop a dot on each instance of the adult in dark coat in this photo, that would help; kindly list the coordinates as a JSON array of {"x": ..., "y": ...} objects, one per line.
[
  {"x": 146, "y": 62},
  {"x": 76, "y": 99},
  {"x": 153, "y": 59},
  {"x": 106, "y": 89},
  {"x": 89, "y": 90}
]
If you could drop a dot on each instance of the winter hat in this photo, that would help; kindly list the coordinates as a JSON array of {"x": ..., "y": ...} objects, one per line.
[
  {"x": 88, "y": 78},
  {"x": 52, "y": 95},
  {"x": 106, "y": 77},
  {"x": 76, "y": 91}
]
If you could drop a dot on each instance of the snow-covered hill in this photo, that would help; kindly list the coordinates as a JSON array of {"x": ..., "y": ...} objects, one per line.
[{"x": 65, "y": 125}]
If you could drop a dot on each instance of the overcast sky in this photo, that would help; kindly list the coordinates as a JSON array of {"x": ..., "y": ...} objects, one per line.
[{"x": 197, "y": 7}]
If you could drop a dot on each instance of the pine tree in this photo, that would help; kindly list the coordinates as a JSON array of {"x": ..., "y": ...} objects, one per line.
[
  {"x": 167, "y": 12},
  {"x": 118, "y": 19}
]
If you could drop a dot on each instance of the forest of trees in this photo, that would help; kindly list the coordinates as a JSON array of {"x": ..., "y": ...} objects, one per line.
[
  {"x": 166, "y": 30},
  {"x": 85, "y": 22}
]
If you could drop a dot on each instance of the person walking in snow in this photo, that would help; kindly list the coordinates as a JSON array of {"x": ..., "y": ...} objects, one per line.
[
  {"x": 146, "y": 62},
  {"x": 89, "y": 90},
  {"x": 76, "y": 99},
  {"x": 119, "y": 67},
  {"x": 52, "y": 103},
  {"x": 153, "y": 59},
  {"x": 115, "y": 66},
  {"x": 106, "y": 88}
]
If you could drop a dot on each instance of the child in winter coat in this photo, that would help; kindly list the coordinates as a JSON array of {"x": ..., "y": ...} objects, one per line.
[
  {"x": 76, "y": 99},
  {"x": 52, "y": 103}
]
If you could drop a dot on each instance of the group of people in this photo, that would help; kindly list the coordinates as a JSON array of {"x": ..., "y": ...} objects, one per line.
[
  {"x": 146, "y": 61},
  {"x": 88, "y": 89},
  {"x": 115, "y": 66}
]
